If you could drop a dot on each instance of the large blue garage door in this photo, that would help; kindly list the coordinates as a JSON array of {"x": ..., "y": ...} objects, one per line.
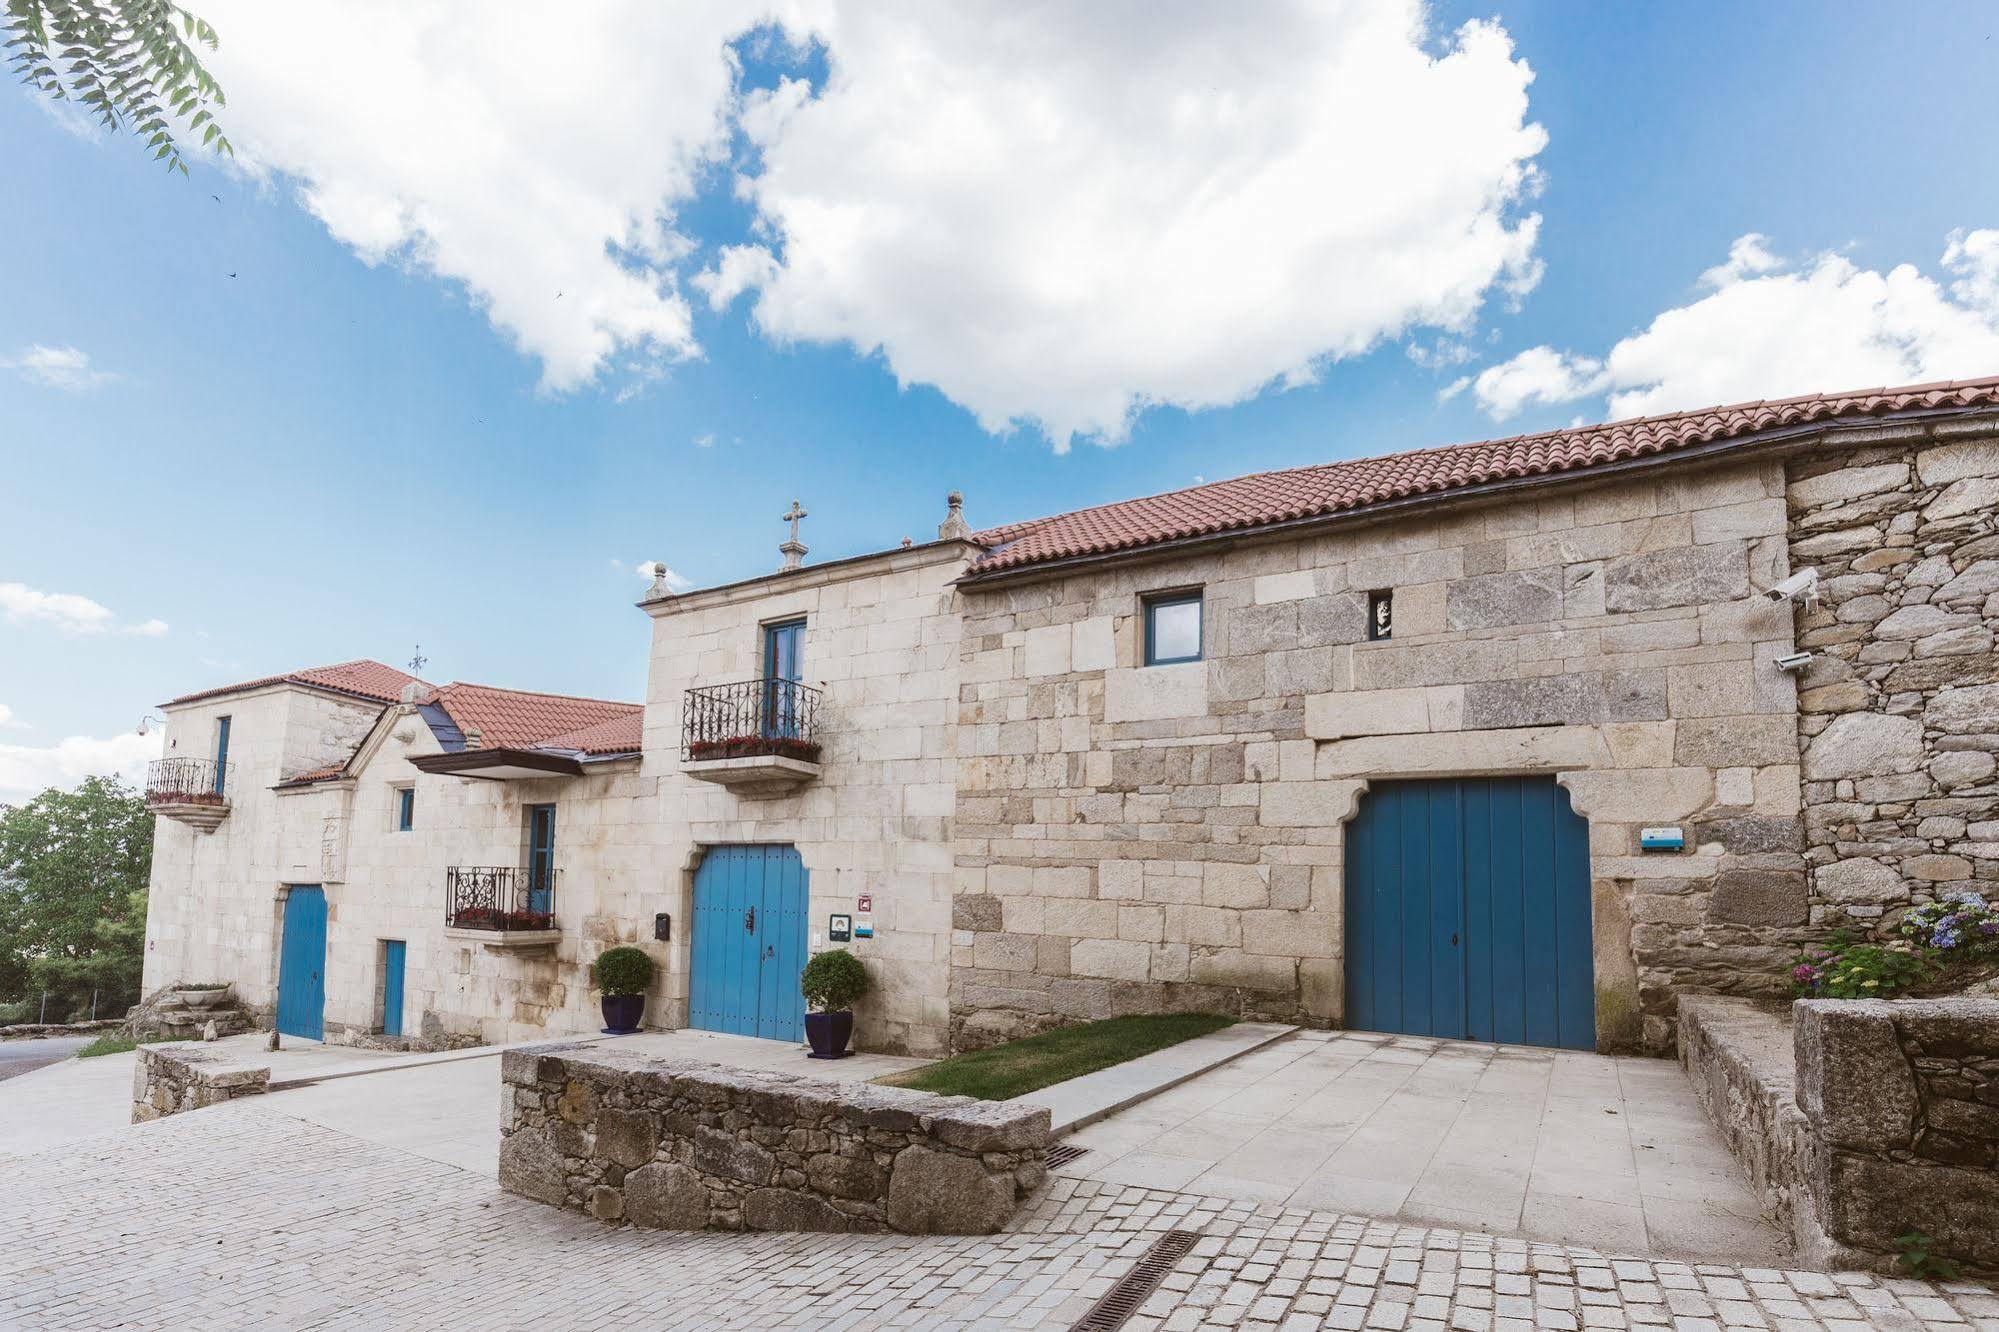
[{"x": 1468, "y": 913}]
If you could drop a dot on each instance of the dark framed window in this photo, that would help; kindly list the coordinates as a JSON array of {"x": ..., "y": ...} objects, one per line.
[
  {"x": 1172, "y": 628},
  {"x": 405, "y": 808},
  {"x": 1380, "y": 616}
]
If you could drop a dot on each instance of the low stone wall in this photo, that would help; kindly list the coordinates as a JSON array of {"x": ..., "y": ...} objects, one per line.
[
  {"x": 168, "y": 1079},
  {"x": 1858, "y": 1120},
  {"x": 30, "y": 1031},
  {"x": 684, "y": 1145},
  {"x": 1904, "y": 1095}
]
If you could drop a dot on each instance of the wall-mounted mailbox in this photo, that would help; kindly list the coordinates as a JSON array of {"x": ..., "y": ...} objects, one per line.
[
  {"x": 662, "y": 927},
  {"x": 1661, "y": 839}
]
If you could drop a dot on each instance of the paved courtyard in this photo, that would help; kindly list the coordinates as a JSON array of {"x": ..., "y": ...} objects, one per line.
[
  {"x": 244, "y": 1216},
  {"x": 1549, "y": 1144}
]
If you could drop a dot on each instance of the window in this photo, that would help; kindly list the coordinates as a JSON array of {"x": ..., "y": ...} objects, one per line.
[
  {"x": 405, "y": 808},
  {"x": 1173, "y": 628},
  {"x": 1380, "y": 615}
]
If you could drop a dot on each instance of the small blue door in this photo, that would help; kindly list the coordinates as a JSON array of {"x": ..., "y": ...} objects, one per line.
[
  {"x": 1468, "y": 913},
  {"x": 221, "y": 754},
  {"x": 392, "y": 987},
  {"x": 749, "y": 942},
  {"x": 541, "y": 857},
  {"x": 302, "y": 964},
  {"x": 784, "y": 648}
]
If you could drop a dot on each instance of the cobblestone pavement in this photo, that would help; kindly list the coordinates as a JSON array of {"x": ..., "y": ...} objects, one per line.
[{"x": 242, "y": 1216}]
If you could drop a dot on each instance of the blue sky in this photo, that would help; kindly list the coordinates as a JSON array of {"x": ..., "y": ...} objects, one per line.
[{"x": 322, "y": 457}]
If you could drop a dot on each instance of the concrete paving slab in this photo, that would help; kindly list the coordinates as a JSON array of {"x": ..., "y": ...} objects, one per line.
[
  {"x": 1555, "y": 1145},
  {"x": 1082, "y": 1101}
]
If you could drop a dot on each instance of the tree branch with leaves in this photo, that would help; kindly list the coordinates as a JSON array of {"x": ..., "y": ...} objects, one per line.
[{"x": 130, "y": 63}]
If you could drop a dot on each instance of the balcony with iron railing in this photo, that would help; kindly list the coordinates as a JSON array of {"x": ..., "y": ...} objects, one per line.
[
  {"x": 501, "y": 906},
  {"x": 756, "y": 737},
  {"x": 189, "y": 790}
]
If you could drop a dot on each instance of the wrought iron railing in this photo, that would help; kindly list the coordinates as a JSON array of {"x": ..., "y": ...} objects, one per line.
[
  {"x": 187, "y": 781},
  {"x": 749, "y": 718},
  {"x": 500, "y": 897}
]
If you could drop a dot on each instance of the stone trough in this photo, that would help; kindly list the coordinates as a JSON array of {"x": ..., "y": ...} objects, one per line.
[{"x": 687, "y": 1145}]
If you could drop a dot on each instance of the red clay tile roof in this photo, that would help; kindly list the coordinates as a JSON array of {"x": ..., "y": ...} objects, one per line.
[
  {"x": 515, "y": 719},
  {"x": 363, "y": 679},
  {"x": 1308, "y": 492},
  {"x": 310, "y": 775}
]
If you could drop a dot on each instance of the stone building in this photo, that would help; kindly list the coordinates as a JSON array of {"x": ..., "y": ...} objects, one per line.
[{"x": 1508, "y": 741}]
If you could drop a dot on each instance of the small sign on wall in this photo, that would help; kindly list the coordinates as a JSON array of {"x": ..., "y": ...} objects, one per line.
[
  {"x": 866, "y": 904},
  {"x": 839, "y": 927},
  {"x": 864, "y": 927}
]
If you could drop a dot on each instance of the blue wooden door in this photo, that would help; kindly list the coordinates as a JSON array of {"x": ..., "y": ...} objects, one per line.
[
  {"x": 302, "y": 964},
  {"x": 221, "y": 754},
  {"x": 749, "y": 942},
  {"x": 1468, "y": 913},
  {"x": 784, "y": 662},
  {"x": 541, "y": 857},
  {"x": 392, "y": 987}
]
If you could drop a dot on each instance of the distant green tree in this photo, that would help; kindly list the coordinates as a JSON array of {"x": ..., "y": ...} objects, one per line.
[
  {"x": 128, "y": 62},
  {"x": 73, "y": 872}
]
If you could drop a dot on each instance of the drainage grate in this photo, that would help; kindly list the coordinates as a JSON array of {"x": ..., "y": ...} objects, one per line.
[
  {"x": 1063, "y": 1153},
  {"x": 1122, "y": 1300}
]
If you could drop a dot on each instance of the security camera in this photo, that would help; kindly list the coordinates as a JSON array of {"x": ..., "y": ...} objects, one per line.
[
  {"x": 1801, "y": 587},
  {"x": 1794, "y": 661}
]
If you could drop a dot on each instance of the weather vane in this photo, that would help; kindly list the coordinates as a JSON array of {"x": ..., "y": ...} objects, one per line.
[{"x": 419, "y": 661}]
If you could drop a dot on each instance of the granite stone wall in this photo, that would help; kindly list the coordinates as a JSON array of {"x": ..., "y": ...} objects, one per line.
[
  {"x": 1133, "y": 838},
  {"x": 683, "y": 1145},
  {"x": 1858, "y": 1120},
  {"x": 170, "y": 1078},
  {"x": 1898, "y": 715}
]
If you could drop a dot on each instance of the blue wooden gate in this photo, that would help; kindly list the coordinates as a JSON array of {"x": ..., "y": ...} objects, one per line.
[
  {"x": 1468, "y": 913},
  {"x": 749, "y": 942},
  {"x": 393, "y": 953},
  {"x": 302, "y": 964}
]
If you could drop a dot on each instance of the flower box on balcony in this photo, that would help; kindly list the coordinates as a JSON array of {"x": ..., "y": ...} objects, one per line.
[{"x": 752, "y": 746}]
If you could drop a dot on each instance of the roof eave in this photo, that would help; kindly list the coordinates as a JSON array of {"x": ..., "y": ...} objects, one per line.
[{"x": 1777, "y": 439}]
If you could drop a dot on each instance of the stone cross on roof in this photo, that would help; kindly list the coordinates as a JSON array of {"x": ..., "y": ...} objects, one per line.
[{"x": 794, "y": 549}]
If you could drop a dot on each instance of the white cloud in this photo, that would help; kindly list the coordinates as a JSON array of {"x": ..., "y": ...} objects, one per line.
[
  {"x": 1539, "y": 374},
  {"x": 66, "y": 611},
  {"x": 1064, "y": 214},
  {"x": 706, "y": 441},
  {"x": 7, "y": 721},
  {"x": 28, "y": 770},
  {"x": 1770, "y": 329},
  {"x": 65, "y": 368},
  {"x": 537, "y": 162}
]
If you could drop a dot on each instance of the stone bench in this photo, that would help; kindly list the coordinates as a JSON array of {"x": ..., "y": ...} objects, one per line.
[
  {"x": 1858, "y": 1120},
  {"x": 686, "y": 1145},
  {"x": 170, "y": 1078}
]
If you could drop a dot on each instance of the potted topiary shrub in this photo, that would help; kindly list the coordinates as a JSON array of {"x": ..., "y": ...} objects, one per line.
[
  {"x": 623, "y": 974},
  {"x": 832, "y": 981}
]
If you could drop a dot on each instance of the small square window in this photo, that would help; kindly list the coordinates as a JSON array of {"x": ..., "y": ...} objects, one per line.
[
  {"x": 1173, "y": 628},
  {"x": 405, "y": 808},
  {"x": 1380, "y": 615}
]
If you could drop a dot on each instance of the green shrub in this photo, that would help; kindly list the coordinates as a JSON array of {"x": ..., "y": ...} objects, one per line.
[
  {"x": 625, "y": 970},
  {"x": 833, "y": 980},
  {"x": 22, "y": 1010},
  {"x": 1844, "y": 969}
]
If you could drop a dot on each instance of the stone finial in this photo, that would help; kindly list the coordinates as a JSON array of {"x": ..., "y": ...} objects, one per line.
[
  {"x": 411, "y": 692},
  {"x": 472, "y": 737},
  {"x": 659, "y": 589},
  {"x": 793, "y": 549},
  {"x": 954, "y": 527}
]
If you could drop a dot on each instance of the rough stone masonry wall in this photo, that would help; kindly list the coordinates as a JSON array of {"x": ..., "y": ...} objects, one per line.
[
  {"x": 1136, "y": 838},
  {"x": 682, "y": 1145},
  {"x": 1858, "y": 1120},
  {"x": 1899, "y": 714},
  {"x": 168, "y": 1079},
  {"x": 1904, "y": 1097}
]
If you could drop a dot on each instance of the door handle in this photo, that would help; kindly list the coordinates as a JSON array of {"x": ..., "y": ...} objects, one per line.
[
  {"x": 750, "y": 920},
  {"x": 1454, "y": 941},
  {"x": 771, "y": 951}
]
